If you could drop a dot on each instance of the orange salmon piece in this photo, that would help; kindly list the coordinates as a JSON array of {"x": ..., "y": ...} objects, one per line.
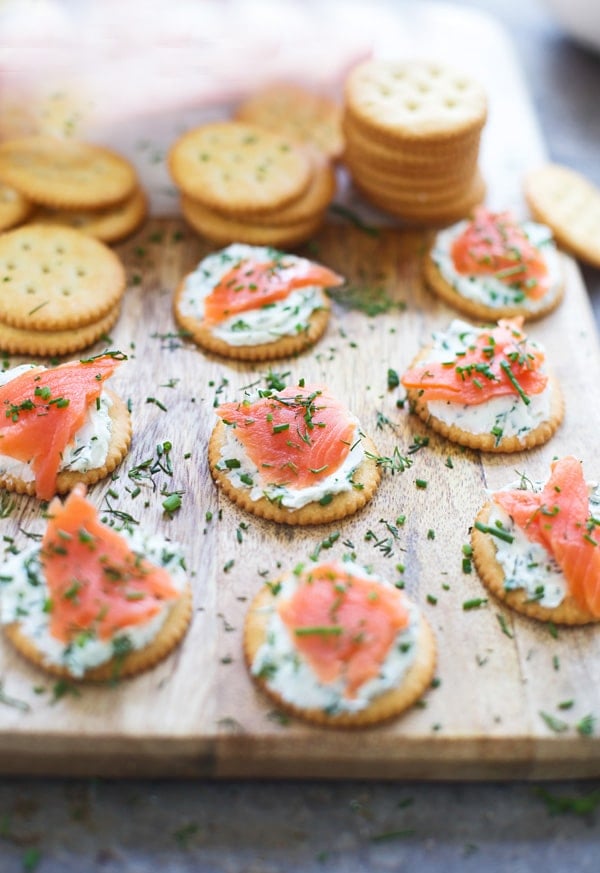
[
  {"x": 344, "y": 625},
  {"x": 558, "y": 517},
  {"x": 296, "y": 437},
  {"x": 252, "y": 284},
  {"x": 44, "y": 409},
  {"x": 95, "y": 582},
  {"x": 500, "y": 363},
  {"x": 494, "y": 244}
]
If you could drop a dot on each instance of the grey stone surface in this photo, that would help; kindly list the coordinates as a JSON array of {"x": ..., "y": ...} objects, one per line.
[{"x": 262, "y": 827}]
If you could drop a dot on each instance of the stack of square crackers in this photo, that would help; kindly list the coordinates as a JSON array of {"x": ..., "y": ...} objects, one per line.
[
  {"x": 70, "y": 183},
  {"x": 412, "y": 139}
]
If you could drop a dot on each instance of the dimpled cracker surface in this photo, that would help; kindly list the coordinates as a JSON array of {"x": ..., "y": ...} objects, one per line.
[
  {"x": 65, "y": 174},
  {"x": 14, "y": 208},
  {"x": 235, "y": 167},
  {"x": 58, "y": 278},
  {"x": 569, "y": 204},
  {"x": 414, "y": 99},
  {"x": 303, "y": 115}
]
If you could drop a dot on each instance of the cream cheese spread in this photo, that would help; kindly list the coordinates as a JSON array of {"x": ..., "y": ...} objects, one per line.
[
  {"x": 90, "y": 445},
  {"x": 291, "y": 677},
  {"x": 291, "y": 498},
  {"x": 24, "y": 599},
  {"x": 505, "y": 416},
  {"x": 287, "y": 317},
  {"x": 489, "y": 290}
]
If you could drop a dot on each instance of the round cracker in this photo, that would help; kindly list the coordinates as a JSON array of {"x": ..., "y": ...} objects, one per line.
[
  {"x": 284, "y": 347},
  {"x": 414, "y": 100},
  {"x": 56, "y": 278},
  {"x": 14, "y": 208},
  {"x": 66, "y": 174},
  {"x": 487, "y": 442},
  {"x": 302, "y": 115},
  {"x": 414, "y": 198},
  {"x": 476, "y": 309},
  {"x": 108, "y": 225},
  {"x": 239, "y": 168},
  {"x": 50, "y": 343},
  {"x": 342, "y": 505},
  {"x": 224, "y": 230},
  {"x": 492, "y": 575},
  {"x": 415, "y": 187},
  {"x": 120, "y": 440},
  {"x": 570, "y": 205},
  {"x": 391, "y": 703},
  {"x": 131, "y": 664}
]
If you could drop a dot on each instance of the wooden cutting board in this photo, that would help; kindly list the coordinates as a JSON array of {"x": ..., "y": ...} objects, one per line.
[{"x": 499, "y": 675}]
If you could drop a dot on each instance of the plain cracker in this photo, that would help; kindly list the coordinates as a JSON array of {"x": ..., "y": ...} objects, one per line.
[
  {"x": 235, "y": 167},
  {"x": 14, "y": 208},
  {"x": 66, "y": 174},
  {"x": 56, "y": 278},
  {"x": 109, "y": 225},
  {"x": 56, "y": 343},
  {"x": 570, "y": 205}
]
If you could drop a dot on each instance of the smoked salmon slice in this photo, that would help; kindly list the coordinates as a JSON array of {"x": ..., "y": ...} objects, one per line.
[
  {"x": 295, "y": 437},
  {"x": 96, "y": 583},
  {"x": 494, "y": 244},
  {"x": 251, "y": 284},
  {"x": 559, "y": 518},
  {"x": 500, "y": 362},
  {"x": 44, "y": 409},
  {"x": 343, "y": 624}
]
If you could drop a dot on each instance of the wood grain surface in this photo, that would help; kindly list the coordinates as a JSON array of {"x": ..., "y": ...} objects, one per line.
[{"x": 198, "y": 714}]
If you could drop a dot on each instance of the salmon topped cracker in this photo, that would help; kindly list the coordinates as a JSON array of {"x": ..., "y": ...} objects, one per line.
[
  {"x": 338, "y": 645},
  {"x": 89, "y": 601},
  {"x": 43, "y": 411},
  {"x": 499, "y": 362},
  {"x": 296, "y": 437},
  {"x": 295, "y": 455}
]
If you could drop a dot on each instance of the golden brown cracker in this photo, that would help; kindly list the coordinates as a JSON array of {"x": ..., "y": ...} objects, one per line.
[
  {"x": 118, "y": 447},
  {"x": 570, "y": 205},
  {"x": 56, "y": 343},
  {"x": 488, "y": 442},
  {"x": 223, "y": 230},
  {"x": 475, "y": 308},
  {"x": 492, "y": 575},
  {"x": 131, "y": 664},
  {"x": 56, "y": 278},
  {"x": 239, "y": 168},
  {"x": 67, "y": 174},
  {"x": 366, "y": 477},
  {"x": 391, "y": 703},
  {"x": 284, "y": 347},
  {"x": 414, "y": 100},
  {"x": 302, "y": 115},
  {"x": 14, "y": 208},
  {"x": 109, "y": 225},
  {"x": 309, "y": 206}
]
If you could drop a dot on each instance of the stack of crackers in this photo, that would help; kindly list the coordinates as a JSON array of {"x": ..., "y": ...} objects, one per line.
[
  {"x": 412, "y": 139},
  {"x": 70, "y": 183},
  {"x": 61, "y": 290},
  {"x": 243, "y": 183}
]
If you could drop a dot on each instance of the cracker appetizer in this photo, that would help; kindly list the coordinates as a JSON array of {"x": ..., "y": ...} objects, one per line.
[
  {"x": 495, "y": 267},
  {"x": 338, "y": 646},
  {"x": 485, "y": 388},
  {"x": 254, "y": 302},
  {"x": 296, "y": 456},
  {"x": 60, "y": 426},
  {"x": 535, "y": 546},
  {"x": 89, "y": 602}
]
